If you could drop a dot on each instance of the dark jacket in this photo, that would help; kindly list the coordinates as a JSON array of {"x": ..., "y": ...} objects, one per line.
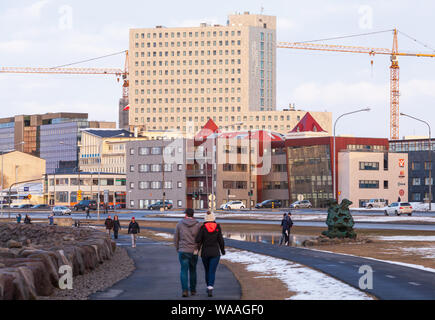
[
  {"x": 185, "y": 235},
  {"x": 210, "y": 240},
  {"x": 109, "y": 224},
  {"x": 27, "y": 220},
  {"x": 116, "y": 225},
  {"x": 286, "y": 223},
  {"x": 133, "y": 228}
]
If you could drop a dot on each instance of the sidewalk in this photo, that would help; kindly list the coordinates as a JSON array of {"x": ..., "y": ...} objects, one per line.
[{"x": 157, "y": 276}]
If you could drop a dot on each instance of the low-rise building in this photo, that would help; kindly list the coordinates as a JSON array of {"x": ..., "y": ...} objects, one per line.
[{"x": 62, "y": 189}]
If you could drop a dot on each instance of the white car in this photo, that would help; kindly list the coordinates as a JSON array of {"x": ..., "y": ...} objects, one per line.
[
  {"x": 61, "y": 210},
  {"x": 301, "y": 204},
  {"x": 233, "y": 205},
  {"x": 375, "y": 203},
  {"x": 398, "y": 208}
]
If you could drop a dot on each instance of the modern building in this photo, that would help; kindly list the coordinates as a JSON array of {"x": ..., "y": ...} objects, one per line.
[
  {"x": 181, "y": 77},
  {"x": 310, "y": 164},
  {"x": 418, "y": 169},
  {"x": 62, "y": 189},
  {"x": 19, "y": 170},
  {"x": 51, "y": 136},
  {"x": 156, "y": 172},
  {"x": 372, "y": 175}
]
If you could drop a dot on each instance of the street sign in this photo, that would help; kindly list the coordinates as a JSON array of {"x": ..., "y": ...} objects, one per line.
[
  {"x": 29, "y": 196},
  {"x": 79, "y": 195},
  {"x": 300, "y": 197},
  {"x": 211, "y": 197},
  {"x": 26, "y": 189}
]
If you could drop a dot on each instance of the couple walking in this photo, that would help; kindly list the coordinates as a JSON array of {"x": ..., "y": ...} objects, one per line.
[{"x": 191, "y": 238}]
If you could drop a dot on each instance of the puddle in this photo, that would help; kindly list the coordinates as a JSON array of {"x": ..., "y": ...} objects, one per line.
[{"x": 266, "y": 237}]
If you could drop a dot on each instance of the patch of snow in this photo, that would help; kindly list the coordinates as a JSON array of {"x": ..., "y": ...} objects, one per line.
[
  {"x": 409, "y": 265},
  {"x": 422, "y": 206},
  {"x": 407, "y": 238},
  {"x": 164, "y": 235},
  {"x": 427, "y": 253},
  {"x": 307, "y": 283}
]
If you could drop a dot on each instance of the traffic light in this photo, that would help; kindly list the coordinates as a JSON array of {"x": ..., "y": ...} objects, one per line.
[
  {"x": 250, "y": 193},
  {"x": 194, "y": 195}
]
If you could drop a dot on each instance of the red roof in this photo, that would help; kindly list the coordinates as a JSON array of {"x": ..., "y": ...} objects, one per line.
[
  {"x": 308, "y": 124},
  {"x": 209, "y": 128}
]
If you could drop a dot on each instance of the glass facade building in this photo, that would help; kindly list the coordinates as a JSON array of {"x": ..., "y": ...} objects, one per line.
[{"x": 310, "y": 174}]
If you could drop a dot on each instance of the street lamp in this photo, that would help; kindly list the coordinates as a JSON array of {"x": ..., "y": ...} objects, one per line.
[
  {"x": 429, "y": 154},
  {"x": 2, "y": 180},
  {"x": 213, "y": 197},
  {"x": 333, "y": 152}
]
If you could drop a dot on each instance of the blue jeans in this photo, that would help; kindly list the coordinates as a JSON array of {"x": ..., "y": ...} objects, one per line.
[
  {"x": 188, "y": 262},
  {"x": 210, "y": 266}
]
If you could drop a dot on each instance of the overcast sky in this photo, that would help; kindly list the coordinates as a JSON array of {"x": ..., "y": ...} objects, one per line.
[{"x": 51, "y": 33}]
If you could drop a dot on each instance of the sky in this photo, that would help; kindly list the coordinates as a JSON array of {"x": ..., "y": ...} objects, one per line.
[{"x": 47, "y": 33}]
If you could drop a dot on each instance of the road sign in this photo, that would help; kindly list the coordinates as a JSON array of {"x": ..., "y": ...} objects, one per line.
[
  {"x": 26, "y": 189},
  {"x": 29, "y": 196},
  {"x": 211, "y": 197},
  {"x": 79, "y": 195},
  {"x": 300, "y": 197},
  {"x": 401, "y": 192}
]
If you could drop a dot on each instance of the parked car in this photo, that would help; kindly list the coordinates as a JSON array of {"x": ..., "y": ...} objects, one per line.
[
  {"x": 25, "y": 206},
  {"x": 41, "y": 206},
  {"x": 91, "y": 204},
  {"x": 235, "y": 204},
  {"x": 375, "y": 203},
  {"x": 301, "y": 204},
  {"x": 269, "y": 204},
  {"x": 398, "y": 208},
  {"x": 61, "y": 210},
  {"x": 159, "y": 204}
]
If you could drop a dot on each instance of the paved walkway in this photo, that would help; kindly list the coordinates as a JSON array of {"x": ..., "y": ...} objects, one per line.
[
  {"x": 390, "y": 281},
  {"x": 157, "y": 276}
]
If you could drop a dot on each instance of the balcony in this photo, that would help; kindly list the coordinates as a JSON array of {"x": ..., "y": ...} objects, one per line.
[
  {"x": 197, "y": 173},
  {"x": 201, "y": 190}
]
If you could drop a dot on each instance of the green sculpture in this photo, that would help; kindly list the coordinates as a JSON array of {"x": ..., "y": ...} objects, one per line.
[{"x": 339, "y": 220}]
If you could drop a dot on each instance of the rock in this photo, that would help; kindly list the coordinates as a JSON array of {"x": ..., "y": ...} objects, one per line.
[{"x": 14, "y": 244}]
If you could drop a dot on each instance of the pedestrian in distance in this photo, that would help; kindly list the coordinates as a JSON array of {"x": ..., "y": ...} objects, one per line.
[
  {"x": 106, "y": 208},
  {"x": 27, "y": 219},
  {"x": 133, "y": 230},
  {"x": 289, "y": 226},
  {"x": 109, "y": 225},
  {"x": 18, "y": 218},
  {"x": 283, "y": 229},
  {"x": 116, "y": 226},
  {"x": 187, "y": 248},
  {"x": 211, "y": 244},
  {"x": 51, "y": 219},
  {"x": 88, "y": 216}
]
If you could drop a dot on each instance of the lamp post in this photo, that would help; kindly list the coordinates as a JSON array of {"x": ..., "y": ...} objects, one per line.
[
  {"x": 335, "y": 176},
  {"x": 213, "y": 197},
  {"x": 2, "y": 180},
  {"x": 429, "y": 156}
]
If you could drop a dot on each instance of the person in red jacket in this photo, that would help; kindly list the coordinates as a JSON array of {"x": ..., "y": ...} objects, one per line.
[{"x": 212, "y": 244}]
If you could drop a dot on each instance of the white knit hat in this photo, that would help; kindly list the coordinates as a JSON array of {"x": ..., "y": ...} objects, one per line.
[{"x": 209, "y": 217}]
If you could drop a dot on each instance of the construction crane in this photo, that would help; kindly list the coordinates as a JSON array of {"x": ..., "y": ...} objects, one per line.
[
  {"x": 119, "y": 73},
  {"x": 394, "y": 68}
]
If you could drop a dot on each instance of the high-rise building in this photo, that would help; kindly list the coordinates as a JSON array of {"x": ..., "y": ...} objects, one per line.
[
  {"x": 52, "y": 136},
  {"x": 181, "y": 77}
]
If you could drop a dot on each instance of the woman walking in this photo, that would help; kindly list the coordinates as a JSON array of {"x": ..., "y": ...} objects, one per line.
[
  {"x": 133, "y": 229},
  {"x": 116, "y": 226},
  {"x": 212, "y": 244}
]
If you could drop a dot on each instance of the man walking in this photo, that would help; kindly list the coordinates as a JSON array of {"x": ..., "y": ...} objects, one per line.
[
  {"x": 184, "y": 240},
  {"x": 289, "y": 226},
  {"x": 18, "y": 218},
  {"x": 284, "y": 234},
  {"x": 109, "y": 225},
  {"x": 51, "y": 219},
  {"x": 88, "y": 216},
  {"x": 133, "y": 230}
]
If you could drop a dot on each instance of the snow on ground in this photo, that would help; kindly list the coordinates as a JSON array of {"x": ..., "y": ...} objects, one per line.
[
  {"x": 164, "y": 235},
  {"x": 422, "y": 206},
  {"x": 392, "y": 218},
  {"x": 307, "y": 283},
  {"x": 427, "y": 253},
  {"x": 407, "y": 238},
  {"x": 409, "y": 265}
]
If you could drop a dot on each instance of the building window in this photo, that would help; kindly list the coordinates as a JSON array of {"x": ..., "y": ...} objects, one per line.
[
  {"x": 132, "y": 203},
  {"x": 415, "y": 165},
  {"x": 385, "y": 184},
  {"x": 180, "y": 203},
  {"x": 369, "y": 165},
  {"x": 369, "y": 184},
  {"x": 132, "y": 168},
  {"x": 426, "y": 181},
  {"x": 131, "y": 185},
  {"x": 144, "y": 168},
  {"x": 132, "y": 151},
  {"x": 180, "y": 184},
  {"x": 144, "y": 151},
  {"x": 416, "y": 181},
  {"x": 416, "y": 197}
]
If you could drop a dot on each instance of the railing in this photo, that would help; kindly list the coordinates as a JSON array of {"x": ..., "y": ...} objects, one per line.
[{"x": 198, "y": 173}]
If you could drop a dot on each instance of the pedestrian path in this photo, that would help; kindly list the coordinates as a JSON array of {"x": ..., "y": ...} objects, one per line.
[
  {"x": 157, "y": 276},
  {"x": 390, "y": 281}
]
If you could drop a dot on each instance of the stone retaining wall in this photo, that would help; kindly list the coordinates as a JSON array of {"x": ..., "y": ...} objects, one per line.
[{"x": 31, "y": 255}]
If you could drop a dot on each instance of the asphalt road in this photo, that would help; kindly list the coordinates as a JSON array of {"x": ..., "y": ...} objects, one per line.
[
  {"x": 157, "y": 276},
  {"x": 390, "y": 281}
]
